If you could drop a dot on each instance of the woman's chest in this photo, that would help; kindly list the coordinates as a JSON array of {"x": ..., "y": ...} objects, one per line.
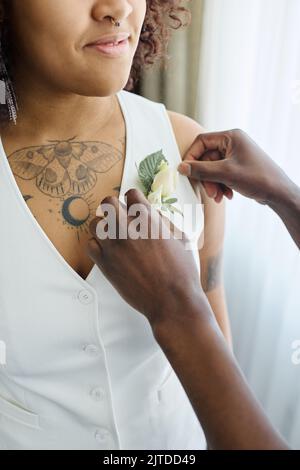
[{"x": 64, "y": 193}]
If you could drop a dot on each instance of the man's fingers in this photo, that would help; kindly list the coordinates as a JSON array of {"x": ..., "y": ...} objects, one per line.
[
  {"x": 93, "y": 226},
  {"x": 228, "y": 192},
  {"x": 216, "y": 141},
  {"x": 112, "y": 202},
  {"x": 138, "y": 207},
  {"x": 135, "y": 196},
  {"x": 216, "y": 172}
]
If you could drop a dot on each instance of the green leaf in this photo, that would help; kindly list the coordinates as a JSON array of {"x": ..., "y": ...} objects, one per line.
[
  {"x": 173, "y": 209},
  {"x": 170, "y": 201},
  {"x": 149, "y": 167}
]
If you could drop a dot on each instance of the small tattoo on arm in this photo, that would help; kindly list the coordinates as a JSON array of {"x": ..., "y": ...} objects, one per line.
[{"x": 211, "y": 275}]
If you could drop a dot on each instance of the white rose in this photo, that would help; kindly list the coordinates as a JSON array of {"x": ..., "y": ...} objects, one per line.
[
  {"x": 155, "y": 197},
  {"x": 167, "y": 179}
]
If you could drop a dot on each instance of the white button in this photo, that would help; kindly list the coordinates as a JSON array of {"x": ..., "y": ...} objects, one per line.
[
  {"x": 91, "y": 349},
  {"x": 101, "y": 435},
  {"x": 85, "y": 297},
  {"x": 97, "y": 394}
]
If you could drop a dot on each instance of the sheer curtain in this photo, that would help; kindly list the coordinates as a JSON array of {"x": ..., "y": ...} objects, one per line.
[{"x": 250, "y": 78}]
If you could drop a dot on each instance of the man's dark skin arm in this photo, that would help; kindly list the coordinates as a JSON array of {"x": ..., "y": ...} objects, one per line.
[
  {"x": 230, "y": 415},
  {"x": 231, "y": 160},
  {"x": 162, "y": 282},
  {"x": 287, "y": 206}
]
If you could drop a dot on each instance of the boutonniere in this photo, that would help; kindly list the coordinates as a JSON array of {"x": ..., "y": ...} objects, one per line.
[{"x": 159, "y": 181}]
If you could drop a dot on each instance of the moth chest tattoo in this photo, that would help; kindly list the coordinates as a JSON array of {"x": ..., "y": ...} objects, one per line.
[
  {"x": 66, "y": 171},
  {"x": 64, "y": 167}
]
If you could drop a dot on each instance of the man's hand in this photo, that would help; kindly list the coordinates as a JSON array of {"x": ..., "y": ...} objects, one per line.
[
  {"x": 231, "y": 160},
  {"x": 153, "y": 275},
  {"x": 159, "y": 278}
]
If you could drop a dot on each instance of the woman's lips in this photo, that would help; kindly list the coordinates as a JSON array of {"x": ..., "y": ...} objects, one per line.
[{"x": 111, "y": 49}]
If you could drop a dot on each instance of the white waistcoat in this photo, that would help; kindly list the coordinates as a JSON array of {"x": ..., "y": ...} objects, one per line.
[{"x": 83, "y": 370}]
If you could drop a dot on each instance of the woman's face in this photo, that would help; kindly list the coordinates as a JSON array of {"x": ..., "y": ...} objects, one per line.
[{"x": 49, "y": 43}]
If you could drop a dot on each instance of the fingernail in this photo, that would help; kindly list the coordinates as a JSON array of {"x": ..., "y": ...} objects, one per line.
[{"x": 185, "y": 169}]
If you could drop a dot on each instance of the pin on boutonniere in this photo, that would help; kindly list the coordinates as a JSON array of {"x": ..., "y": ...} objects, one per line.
[{"x": 159, "y": 181}]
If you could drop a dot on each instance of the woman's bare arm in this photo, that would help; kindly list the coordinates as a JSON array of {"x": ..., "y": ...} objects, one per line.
[
  {"x": 211, "y": 260},
  {"x": 211, "y": 246}
]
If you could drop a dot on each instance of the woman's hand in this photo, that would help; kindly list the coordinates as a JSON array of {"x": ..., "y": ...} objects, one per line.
[{"x": 153, "y": 274}]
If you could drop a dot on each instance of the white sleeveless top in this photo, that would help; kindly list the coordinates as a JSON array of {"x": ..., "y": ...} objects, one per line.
[{"x": 83, "y": 370}]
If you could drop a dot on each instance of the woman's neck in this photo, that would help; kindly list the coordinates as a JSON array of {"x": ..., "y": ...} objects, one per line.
[{"x": 53, "y": 114}]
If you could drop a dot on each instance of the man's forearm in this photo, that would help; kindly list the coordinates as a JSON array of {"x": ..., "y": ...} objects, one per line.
[
  {"x": 286, "y": 203},
  {"x": 229, "y": 414}
]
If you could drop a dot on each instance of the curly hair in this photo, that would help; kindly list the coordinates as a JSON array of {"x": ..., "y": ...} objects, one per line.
[{"x": 162, "y": 16}]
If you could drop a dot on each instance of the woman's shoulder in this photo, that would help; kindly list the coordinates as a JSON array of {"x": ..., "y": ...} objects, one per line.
[{"x": 185, "y": 129}]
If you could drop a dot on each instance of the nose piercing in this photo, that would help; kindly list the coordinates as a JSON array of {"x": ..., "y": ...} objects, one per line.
[{"x": 116, "y": 23}]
